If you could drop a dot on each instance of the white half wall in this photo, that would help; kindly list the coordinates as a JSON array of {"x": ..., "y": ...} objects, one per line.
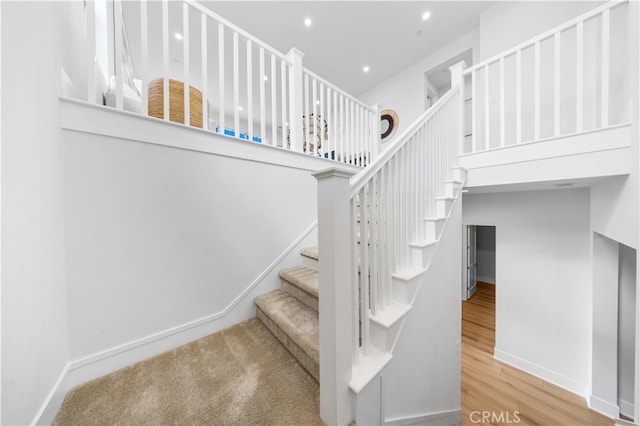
[
  {"x": 162, "y": 238},
  {"x": 615, "y": 203},
  {"x": 543, "y": 301},
  {"x": 34, "y": 321}
]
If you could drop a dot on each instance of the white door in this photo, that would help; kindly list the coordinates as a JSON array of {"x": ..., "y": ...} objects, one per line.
[{"x": 471, "y": 262}]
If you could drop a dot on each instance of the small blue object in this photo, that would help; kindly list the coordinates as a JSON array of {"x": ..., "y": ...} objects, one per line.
[{"x": 229, "y": 132}]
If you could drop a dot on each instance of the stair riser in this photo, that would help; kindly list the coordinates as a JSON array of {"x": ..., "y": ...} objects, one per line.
[
  {"x": 310, "y": 262},
  {"x": 307, "y": 362},
  {"x": 404, "y": 291},
  {"x": 306, "y": 298},
  {"x": 384, "y": 338},
  {"x": 422, "y": 255},
  {"x": 451, "y": 189},
  {"x": 443, "y": 207},
  {"x": 459, "y": 174},
  {"x": 433, "y": 228}
]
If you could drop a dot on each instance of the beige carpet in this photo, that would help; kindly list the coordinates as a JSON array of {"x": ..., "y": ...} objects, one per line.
[{"x": 239, "y": 376}]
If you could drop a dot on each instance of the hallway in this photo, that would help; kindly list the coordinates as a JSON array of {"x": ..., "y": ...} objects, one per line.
[{"x": 495, "y": 393}]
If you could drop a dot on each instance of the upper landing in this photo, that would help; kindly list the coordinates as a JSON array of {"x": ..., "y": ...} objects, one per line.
[{"x": 591, "y": 155}]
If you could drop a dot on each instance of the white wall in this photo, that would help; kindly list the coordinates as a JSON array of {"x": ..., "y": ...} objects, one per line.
[
  {"x": 486, "y": 253},
  {"x": 543, "y": 302},
  {"x": 422, "y": 380},
  {"x": 160, "y": 237},
  {"x": 519, "y": 21},
  {"x": 72, "y": 27},
  {"x": 626, "y": 329},
  {"x": 34, "y": 321},
  {"x": 405, "y": 92},
  {"x": 604, "y": 359},
  {"x": 615, "y": 202}
]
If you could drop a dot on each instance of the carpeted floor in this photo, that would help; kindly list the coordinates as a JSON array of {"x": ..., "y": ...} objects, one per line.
[{"x": 239, "y": 376}]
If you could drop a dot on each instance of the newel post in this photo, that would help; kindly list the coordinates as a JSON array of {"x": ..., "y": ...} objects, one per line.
[
  {"x": 336, "y": 307},
  {"x": 457, "y": 80},
  {"x": 295, "y": 99}
]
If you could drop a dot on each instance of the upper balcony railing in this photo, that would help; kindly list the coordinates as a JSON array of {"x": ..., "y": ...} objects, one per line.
[
  {"x": 238, "y": 85},
  {"x": 568, "y": 80}
]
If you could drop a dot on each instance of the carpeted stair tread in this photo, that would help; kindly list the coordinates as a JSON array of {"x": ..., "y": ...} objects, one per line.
[
  {"x": 311, "y": 252},
  {"x": 295, "y": 324},
  {"x": 302, "y": 277}
]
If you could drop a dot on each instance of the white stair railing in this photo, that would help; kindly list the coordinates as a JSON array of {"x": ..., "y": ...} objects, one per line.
[
  {"x": 366, "y": 225},
  {"x": 347, "y": 129},
  {"x": 389, "y": 202},
  {"x": 239, "y": 85},
  {"x": 567, "y": 80}
]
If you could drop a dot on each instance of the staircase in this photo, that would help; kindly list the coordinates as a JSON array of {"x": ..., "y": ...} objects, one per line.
[
  {"x": 291, "y": 312},
  {"x": 388, "y": 220}
]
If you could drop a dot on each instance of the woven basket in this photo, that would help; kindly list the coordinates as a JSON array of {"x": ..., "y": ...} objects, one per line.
[{"x": 176, "y": 102}]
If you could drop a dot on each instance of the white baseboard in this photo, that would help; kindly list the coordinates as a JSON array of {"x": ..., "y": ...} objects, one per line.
[
  {"x": 603, "y": 407},
  {"x": 96, "y": 365},
  {"x": 442, "y": 418},
  {"x": 47, "y": 412},
  {"x": 541, "y": 372},
  {"x": 488, "y": 280},
  {"x": 626, "y": 408},
  {"x": 620, "y": 422}
]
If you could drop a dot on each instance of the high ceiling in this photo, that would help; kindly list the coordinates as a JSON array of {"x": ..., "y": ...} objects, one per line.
[{"x": 344, "y": 36}]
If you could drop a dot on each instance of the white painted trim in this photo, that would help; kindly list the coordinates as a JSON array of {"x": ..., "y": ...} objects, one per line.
[
  {"x": 541, "y": 372},
  {"x": 452, "y": 417},
  {"x": 626, "y": 408},
  {"x": 98, "y": 364},
  {"x": 572, "y": 144},
  {"x": 603, "y": 407},
  {"x": 81, "y": 116},
  {"x": 620, "y": 422},
  {"x": 1, "y": 257},
  {"x": 550, "y": 139},
  {"x": 488, "y": 280},
  {"x": 47, "y": 412}
]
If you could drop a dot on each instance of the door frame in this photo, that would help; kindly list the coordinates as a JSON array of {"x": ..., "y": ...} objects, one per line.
[{"x": 465, "y": 259}]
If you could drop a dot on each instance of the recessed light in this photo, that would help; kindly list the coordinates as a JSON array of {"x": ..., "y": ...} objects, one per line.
[
  {"x": 426, "y": 16},
  {"x": 239, "y": 108},
  {"x": 265, "y": 78},
  {"x": 307, "y": 22},
  {"x": 366, "y": 68},
  {"x": 178, "y": 36}
]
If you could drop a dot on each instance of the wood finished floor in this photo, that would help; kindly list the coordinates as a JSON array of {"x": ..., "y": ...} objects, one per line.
[{"x": 491, "y": 386}]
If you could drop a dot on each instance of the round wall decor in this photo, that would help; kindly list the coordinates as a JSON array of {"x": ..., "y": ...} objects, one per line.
[{"x": 389, "y": 124}]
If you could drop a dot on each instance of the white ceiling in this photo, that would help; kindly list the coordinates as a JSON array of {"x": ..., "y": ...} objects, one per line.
[{"x": 346, "y": 35}]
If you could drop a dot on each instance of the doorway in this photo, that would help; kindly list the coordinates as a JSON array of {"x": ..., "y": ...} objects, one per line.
[
  {"x": 614, "y": 328},
  {"x": 479, "y": 258},
  {"x": 437, "y": 80}
]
